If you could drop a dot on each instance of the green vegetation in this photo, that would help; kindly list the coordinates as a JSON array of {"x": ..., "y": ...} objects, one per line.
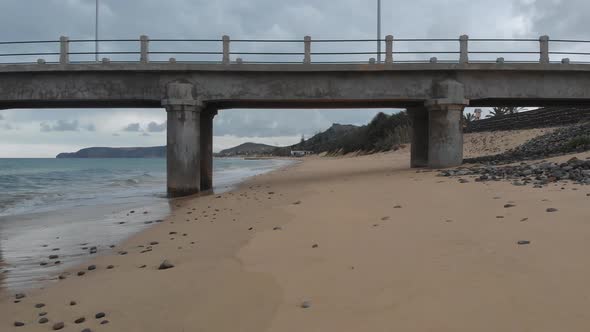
[
  {"x": 383, "y": 133},
  {"x": 580, "y": 142}
]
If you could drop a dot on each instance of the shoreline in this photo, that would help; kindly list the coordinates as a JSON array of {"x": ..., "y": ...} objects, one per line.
[
  {"x": 350, "y": 237},
  {"x": 72, "y": 240}
]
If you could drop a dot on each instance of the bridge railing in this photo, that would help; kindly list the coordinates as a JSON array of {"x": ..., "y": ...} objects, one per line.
[{"x": 303, "y": 51}]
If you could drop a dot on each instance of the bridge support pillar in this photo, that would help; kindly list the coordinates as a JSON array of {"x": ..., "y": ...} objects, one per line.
[
  {"x": 419, "y": 152},
  {"x": 445, "y": 136},
  {"x": 183, "y": 155},
  {"x": 445, "y": 133},
  {"x": 207, "y": 148}
]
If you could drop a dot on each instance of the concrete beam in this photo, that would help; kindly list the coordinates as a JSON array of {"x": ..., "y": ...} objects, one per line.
[
  {"x": 464, "y": 50},
  {"x": 225, "y": 57},
  {"x": 183, "y": 157},
  {"x": 64, "y": 50},
  {"x": 207, "y": 148}
]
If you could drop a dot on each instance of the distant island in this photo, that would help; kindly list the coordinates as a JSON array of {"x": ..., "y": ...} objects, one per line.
[
  {"x": 247, "y": 149},
  {"x": 101, "y": 152}
]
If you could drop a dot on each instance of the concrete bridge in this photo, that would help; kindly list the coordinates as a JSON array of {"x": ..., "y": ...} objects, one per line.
[{"x": 435, "y": 93}]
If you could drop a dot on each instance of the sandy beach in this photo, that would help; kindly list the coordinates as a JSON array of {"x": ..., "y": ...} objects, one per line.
[{"x": 340, "y": 244}]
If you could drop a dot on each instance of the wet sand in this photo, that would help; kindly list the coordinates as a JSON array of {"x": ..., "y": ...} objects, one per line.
[{"x": 365, "y": 243}]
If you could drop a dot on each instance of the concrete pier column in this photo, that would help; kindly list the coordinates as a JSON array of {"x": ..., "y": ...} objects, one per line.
[
  {"x": 445, "y": 136},
  {"x": 183, "y": 157},
  {"x": 419, "y": 151},
  {"x": 207, "y": 148},
  {"x": 445, "y": 133}
]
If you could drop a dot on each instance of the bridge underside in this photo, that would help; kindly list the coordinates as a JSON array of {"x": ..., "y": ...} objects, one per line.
[{"x": 434, "y": 94}]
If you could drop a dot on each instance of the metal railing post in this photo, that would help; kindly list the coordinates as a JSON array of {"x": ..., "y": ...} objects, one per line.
[
  {"x": 225, "y": 58},
  {"x": 389, "y": 49},
  {"x": 64, "y": 50},
  {"x": 145, "y": 49},
  {"x": 307, "y": 50},
  {"x": 544, "y": 49},
  {"x": 464, "y": 49}
]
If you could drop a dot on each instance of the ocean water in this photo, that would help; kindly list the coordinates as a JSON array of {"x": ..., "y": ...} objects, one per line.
[{"x": 65, "y": 207}]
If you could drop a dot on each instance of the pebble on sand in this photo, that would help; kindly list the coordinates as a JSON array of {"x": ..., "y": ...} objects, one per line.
[
  {"x": 165, "y": 265},
  {"x": 92, "y": 267},
  {"x": 104, "y": 322},
  {"x": 18, "y": 324},
  {"x": 73, "y": 303},
  {"x": 81, "y": 273},
  {"x": 58, "y": 326},
  {"x": 39, "y": 305},
  {"x": 110, "y": 267},
  {"x": 523, "y": 242},
  {"x": 509, "y": 205},
  {"x": 80, "y": 320},
  {"x": 100, "y": 315},
  {"x": 305, "y": 304},
  {"x": 551, "y": 210},
  {"x": 19, "y": 296},
  {"x": 86, "y": 330},
  {"x": 43, "y": 320}
]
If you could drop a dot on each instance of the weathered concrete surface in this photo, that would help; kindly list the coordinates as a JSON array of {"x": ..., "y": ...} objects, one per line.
[
  {"x": 419, "y": 147},
  {"x": 183, "y": 158},
  {"x": 445, "y": 136},
  {"x": 290, "y": 86},
  {"x": 207, "y": 148}
]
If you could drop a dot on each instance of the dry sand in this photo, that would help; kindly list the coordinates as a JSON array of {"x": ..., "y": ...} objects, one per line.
[
  {"x": 494, "y": 142},
  {"x": 396, "y": 250}
]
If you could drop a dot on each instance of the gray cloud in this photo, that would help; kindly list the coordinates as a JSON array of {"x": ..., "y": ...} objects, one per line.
[
  {"x": 90, "y": 127},
  {"x": 153, "y": 127},
  {"x": 1, "y": 117},
  {"x": 60, "y": 125},
  {"x": 132, "y": 127}
]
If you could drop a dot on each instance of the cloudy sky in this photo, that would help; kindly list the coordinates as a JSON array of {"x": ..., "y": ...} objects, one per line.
[{"x": 44, "y": 133}]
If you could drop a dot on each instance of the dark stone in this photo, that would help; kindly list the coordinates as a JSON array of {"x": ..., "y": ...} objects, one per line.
[
  {"x": 18, "y": 324},
  {"x": 81, "y": 273},
  {"x": 43, "y": 313},
  {"x": 277, "y": 228},
  {"x": 509, "y": 205},
  {"x": 110, "y": 267},
  {"x": 92, "y": 267},
  {"x": 314, "y": 246},
  {"x": 80, "y": 320},
  {"x": 43, "y": 320},
  {"x": 58, "y": 326},
  {"x": 165, "y": 265},
  {"x": 73, "y": 303},
  {"x": 19, "y": 296},
  {"x": 39, "y": 305},
  {"x": 122, "y": 252},
  {"x": 153, "y": 243},
  {"x": 305, "y": 304},
  {"x": 142, "y": 266},
  {"x": 104, "y": 322},
  {"x": 523, "y": 242},
  {"x": 397, "y": 207},
  {"x": 100, "y": 315},
  {"x": 551, "y": 210},
  {"x": 53, "y": 256}
]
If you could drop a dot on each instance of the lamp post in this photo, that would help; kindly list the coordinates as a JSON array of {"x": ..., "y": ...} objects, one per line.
[
  {"x": 96, "y": 33},
  {"x": 378, "y": 31}
]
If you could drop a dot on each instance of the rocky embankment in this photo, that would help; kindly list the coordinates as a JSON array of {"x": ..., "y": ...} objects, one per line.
[
  {"x": 537, "y": 174},
  {"x": 571, "y": 139}
]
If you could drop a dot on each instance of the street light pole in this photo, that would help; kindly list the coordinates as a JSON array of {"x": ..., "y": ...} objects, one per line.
[
  {"x": 378, "y": 31},
  {"x": 96, "y": 33}
]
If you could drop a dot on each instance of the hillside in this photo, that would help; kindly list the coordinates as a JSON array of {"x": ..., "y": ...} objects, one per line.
[
  {"x": 103, "y": 152},
  {"x": 247, "y": 149},
  {"x": 383, "y": 133}
]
